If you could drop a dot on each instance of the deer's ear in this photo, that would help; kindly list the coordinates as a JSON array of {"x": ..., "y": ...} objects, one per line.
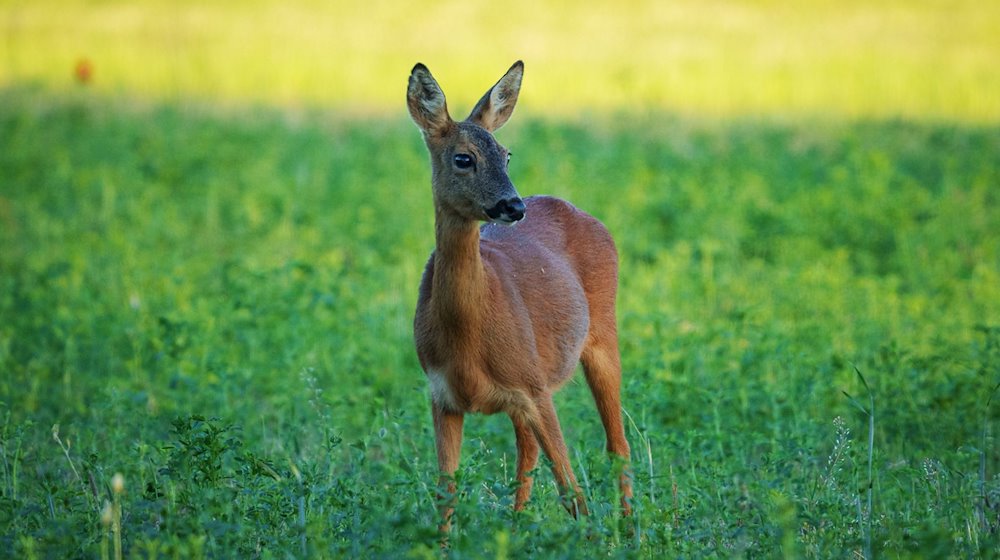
[
  {"x": 426, "y": 102},
  {"x": 496, "y": 106}
]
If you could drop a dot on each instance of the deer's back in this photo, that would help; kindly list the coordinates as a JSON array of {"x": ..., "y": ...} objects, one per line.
[{"x": 554, "y": 230}]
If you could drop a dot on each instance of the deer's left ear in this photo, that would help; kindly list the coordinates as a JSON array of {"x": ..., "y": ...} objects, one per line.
[
  {"x": 426, "y": 102},
  {"x": 496, "y": 106}
]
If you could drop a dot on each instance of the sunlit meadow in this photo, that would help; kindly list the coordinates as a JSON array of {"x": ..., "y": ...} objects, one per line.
[{"x": 214, "y": 217}]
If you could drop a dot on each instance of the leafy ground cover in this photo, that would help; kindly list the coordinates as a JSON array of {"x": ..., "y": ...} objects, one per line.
[
  {"x": 217, "y": 306},
  {"x": 207, "y": 283}
]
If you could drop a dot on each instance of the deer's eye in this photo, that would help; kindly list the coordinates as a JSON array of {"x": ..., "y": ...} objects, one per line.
[{"x": 463, "y": 161}]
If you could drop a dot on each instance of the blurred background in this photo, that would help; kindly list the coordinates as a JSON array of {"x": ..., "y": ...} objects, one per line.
[{"x": 926, "y": 59}]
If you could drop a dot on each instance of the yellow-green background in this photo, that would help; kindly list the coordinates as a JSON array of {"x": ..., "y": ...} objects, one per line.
[{"x": 921, "y": 59}]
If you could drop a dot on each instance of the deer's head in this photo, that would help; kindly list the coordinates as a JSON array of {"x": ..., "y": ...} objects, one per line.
[{"x": 468, "y": 165}]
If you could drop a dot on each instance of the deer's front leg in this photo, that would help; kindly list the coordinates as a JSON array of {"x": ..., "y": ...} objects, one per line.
[
  {"x": 448, "y": 439},
  {"x": 527, "y": 458},
  {"x": 550, "y": 437}
]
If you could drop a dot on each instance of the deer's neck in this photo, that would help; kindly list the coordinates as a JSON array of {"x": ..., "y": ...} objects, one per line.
[{"x": 459, "y": 284}]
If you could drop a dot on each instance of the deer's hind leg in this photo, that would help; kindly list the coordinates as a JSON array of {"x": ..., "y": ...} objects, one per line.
[{"x": 602, "y": 368}]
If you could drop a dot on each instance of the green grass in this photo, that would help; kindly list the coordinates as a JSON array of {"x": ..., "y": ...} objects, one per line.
[
  {"x": 218, "y": 307},
  {"x": 919, "y": 59},
  {"x": 209, "y": 259}
]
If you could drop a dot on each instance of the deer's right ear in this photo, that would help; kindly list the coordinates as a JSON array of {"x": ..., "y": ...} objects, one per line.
[
  {"x": 426, "y": 102},
  {"x": 496, "y": 106}
]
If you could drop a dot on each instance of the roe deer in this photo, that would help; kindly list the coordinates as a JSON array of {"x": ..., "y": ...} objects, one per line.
[{"x": 505, "y": 313}]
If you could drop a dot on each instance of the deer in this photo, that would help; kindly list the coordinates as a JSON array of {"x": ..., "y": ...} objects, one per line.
[{"x": 507, "y": 309}]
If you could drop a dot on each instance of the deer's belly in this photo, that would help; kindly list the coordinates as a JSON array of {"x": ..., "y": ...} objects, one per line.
[{"x": 474, "y": 394}]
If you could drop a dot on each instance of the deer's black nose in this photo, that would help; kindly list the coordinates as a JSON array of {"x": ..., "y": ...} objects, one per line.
[
  {"x": 515, "y": 209},
  {"x": 509, "y": 211}
]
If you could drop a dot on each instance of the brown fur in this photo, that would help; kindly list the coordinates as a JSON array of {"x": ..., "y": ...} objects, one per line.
[{"x": 505, "y": 313}]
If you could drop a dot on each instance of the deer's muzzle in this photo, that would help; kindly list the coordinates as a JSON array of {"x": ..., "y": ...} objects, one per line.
[{"x": 507, "y": 211}]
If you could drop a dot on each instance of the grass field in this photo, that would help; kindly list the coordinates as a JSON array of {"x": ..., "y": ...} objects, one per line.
[{"x": 208, "y": 270}]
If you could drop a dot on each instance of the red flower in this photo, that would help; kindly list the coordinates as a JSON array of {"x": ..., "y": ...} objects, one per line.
[{"x": 83, "y": 71}]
